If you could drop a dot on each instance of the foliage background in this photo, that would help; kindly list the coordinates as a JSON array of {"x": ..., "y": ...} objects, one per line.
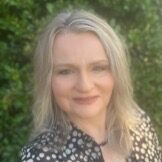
[{"x": 20, "y": 21}]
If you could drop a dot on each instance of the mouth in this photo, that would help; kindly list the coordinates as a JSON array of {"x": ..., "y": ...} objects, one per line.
[{"x": 85, "y": 100}]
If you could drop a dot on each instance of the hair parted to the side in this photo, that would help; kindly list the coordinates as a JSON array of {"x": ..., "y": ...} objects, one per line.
[{"x": 121, "y": 112}]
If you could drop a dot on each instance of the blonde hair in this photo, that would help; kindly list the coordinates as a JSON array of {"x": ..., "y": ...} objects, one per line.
[{"x": 121, "y": 113}]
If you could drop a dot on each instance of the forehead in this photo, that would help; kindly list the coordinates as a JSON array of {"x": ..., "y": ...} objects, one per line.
[{"x": 78, "y": 47}]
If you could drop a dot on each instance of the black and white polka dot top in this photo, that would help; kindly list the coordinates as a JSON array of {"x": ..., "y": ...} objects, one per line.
[{"x": 81, "y": 148}]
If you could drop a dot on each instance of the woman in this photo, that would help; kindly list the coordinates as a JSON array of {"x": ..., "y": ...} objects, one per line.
[{"x": 84, "y": 109}]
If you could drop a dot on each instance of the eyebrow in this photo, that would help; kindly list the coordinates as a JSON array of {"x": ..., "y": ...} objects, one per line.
[{"x": 74, "y": 65}]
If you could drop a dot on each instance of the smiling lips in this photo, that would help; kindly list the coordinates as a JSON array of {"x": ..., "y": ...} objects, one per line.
[{"x": 85, "y": 100}]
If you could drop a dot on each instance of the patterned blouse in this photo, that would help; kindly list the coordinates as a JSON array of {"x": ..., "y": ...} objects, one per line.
[{"x": 82, "y": 148}]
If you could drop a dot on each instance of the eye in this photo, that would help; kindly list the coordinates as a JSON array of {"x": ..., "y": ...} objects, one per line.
[
  {"x": 100, "y": 68},
  {"x": 65, "y": 71}
]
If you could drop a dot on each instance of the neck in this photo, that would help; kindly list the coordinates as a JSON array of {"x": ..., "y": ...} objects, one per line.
[{"x": 94, "y": 128}]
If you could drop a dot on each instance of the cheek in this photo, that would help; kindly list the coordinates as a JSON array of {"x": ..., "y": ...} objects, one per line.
[
  {"x": 61, "y": 93},
  {"x": 108, "y": 84},
  {"x": 107, "y": 89},
  {"x": 59, "y": 88}
]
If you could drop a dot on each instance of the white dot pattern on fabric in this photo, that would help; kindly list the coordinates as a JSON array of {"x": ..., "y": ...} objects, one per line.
[
  {"x": 41, "y": 155},
  {"x": 30, "y": 160},
  {"x": 80, "y": 147}
]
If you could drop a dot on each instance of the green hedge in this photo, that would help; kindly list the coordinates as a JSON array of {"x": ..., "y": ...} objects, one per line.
[{"x": 138, "y": 21}]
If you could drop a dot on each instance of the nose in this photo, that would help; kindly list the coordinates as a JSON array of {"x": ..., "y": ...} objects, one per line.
[{"x": 84, "y": 82}]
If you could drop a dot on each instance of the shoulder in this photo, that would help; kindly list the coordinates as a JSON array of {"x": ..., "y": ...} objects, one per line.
[
  {"x": 144, "y": 128},
  {"x": 40, "y": 149},
  {"x": 145, "y": 142}
]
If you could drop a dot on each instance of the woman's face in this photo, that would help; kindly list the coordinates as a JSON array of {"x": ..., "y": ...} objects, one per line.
[{"x": 82, "y": 83}]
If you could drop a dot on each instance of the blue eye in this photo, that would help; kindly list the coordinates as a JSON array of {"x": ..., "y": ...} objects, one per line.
[
  {"x": 65, "y": 72},
  {"x": 100, "y": 68}
]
